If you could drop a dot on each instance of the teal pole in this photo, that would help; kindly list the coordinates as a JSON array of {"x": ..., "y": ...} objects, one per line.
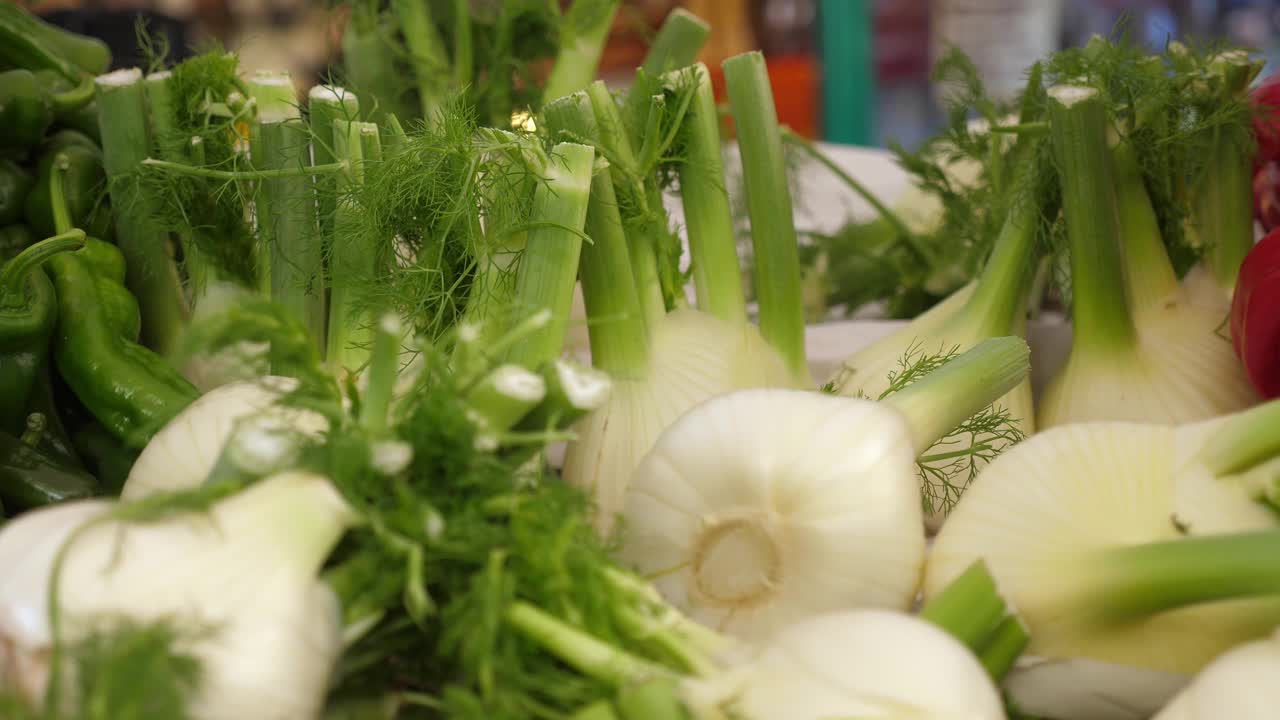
[{"x": 847, "y": 49}]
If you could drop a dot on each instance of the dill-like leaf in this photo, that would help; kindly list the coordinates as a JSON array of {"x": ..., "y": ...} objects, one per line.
[
  {"x": 211, "y": 213},
  {"x": 947, "y": 467},
  {"x": 126, "y": 670}
]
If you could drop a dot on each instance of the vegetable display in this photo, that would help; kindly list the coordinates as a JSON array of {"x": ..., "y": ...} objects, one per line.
[{"x": 282, "y": 378}]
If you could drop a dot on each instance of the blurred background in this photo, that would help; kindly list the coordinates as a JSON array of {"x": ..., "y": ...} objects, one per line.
[{"x": 845, "y": 71}]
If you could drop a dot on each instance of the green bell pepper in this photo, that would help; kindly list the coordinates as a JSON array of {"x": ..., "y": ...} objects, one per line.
[
  {"x": 13, "y": 240},
  {"x": 26, "y": 110},
  {"x": 15, "y": 183},
  {"x": 128, "y": 388},
  {"x": 84, "y": 120},
  {"x": 24, "y": 44},
  {"x": 87, "y": 54},
  {"x": 29, "y": 478},
  {"x": 55, "y": 441},
  {"x": 27, "y": 313},
  {"x": 68, "y": 137},
  {"x": 84, "y": 186},
  {"x": 106, "y": 457}
]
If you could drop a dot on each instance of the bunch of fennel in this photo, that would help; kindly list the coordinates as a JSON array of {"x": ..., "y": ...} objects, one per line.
[
  {"x": 1121, "y": 544},
  {"x": 1144, "y": 346},
  {"x": 664, "y": 357},
  {"x": 992, "y": 305}
]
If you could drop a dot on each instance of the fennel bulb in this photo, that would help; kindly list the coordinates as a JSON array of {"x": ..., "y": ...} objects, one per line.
[
  {"x": 665, "y": 361},
  {"x": 1144, "y": 348},
  {"x": 992, "y": 305},
  {"x": 762, "y": 507},
  {"x": 693, "y": 357},
  {"x": 183, "y": 453},
  {"x": 244, "y": 570},
  {"x": 1103, "y": 535},
  {"x": 1240, "y": 684},
  {"x": 867, "y": 664}
]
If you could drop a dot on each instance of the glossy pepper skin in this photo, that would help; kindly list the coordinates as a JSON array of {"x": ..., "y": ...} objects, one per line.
[
  {"x": 126, "y": 387},
  {"x": 55, "y": 441},
  {"x": 25, "y": 43},
  {"x": 15, "y": 183},
  {"x": 23, "y": 29},
  {"x": 27, "y": 314},
  {"x": 26, "y": 110},
  {"x": 30, "y": 478},
  {"x": 83, "y": 184}
]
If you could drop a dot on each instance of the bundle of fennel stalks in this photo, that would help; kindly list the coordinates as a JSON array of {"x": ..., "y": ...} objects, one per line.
[{"x": 356, "y": 520}]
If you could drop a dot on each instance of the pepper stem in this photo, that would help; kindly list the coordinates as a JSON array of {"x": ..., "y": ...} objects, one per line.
[{"x": 14, "y": 273}]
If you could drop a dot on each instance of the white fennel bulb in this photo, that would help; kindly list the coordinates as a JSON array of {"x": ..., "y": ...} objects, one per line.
[
  {"x": 693, "y": 357},
  {"x": 1144, "y": 347},
  {"x": 762, "y": 507},
  {"x": 663, "y": 358},
  {"x": 1240, "y": 684},
  {"x": 244, "y": 570},
  {"x": 1110, "y": 538},
  {"x": 182, "y": 454},
  {"x": 866, "y": 664}
]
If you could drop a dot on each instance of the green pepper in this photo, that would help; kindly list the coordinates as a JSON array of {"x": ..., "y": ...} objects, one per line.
[
  {"x": 106, "y": 457},
  {"x": 24, "y": 43},
  {"x": 13, "y": 240},
  {"x": 29, "y": 478},
  {"x": 66, "y": 138},
  {"x": 84, "y": 185},
  {"x": 26, "y": 110},
  {"x": 27, "y": 314},
  {"x": 15, "y": 183},
  {"x": 128, "y": 388},
  {"x": 55, "y": 441},
  {"x": 88, "y": 54},
  {"x": 84, "y": 120}
]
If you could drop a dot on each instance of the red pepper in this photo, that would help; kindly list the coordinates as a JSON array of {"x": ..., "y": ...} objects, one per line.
[
  {"x": 1266, "y": 195},
  {"x": 1255, "y": 316},
  {"x": 1266, "y": 118}
]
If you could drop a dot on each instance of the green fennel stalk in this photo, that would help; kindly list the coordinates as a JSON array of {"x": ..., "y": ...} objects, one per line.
[
  {"x": 614, "y": 315},
  {"x": 937, "y": 403},
  {"x": 631, "y": 186},
  {"x": 1100, "y": 307},
  {"x": 171, "y": 146},
  {"x": 152, "y": 275},
  {"x": 549, "y": 266},
  {"x": 705, "y": 198},
  {"x": 1223, "y": 207},
  {"x": 427, "y": 53},
  {"x": 286, "y": 212},
  {"x": 773, "y": 233},
  {"x": 351, "y": 265},
  {"x": 325, "y": 104},
  {"x": 583, "y": 31}
]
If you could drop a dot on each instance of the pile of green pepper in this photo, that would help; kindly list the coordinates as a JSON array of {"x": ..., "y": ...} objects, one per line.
[{"x": 79, "y": 396}]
